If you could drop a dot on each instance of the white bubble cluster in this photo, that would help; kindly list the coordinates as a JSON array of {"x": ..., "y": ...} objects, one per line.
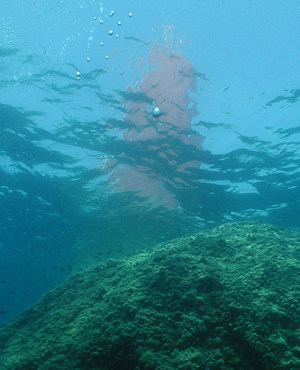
[{"x": 110, "y": 31}]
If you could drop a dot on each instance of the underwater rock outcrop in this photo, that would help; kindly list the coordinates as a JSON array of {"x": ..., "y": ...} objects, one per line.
[{"x": 226, "y": 298}]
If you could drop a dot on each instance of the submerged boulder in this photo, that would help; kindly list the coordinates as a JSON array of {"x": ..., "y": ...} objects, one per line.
[{"x": 225, "y": 298}]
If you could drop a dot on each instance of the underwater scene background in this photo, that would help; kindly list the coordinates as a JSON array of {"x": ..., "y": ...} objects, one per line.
[{"x": 89, "y": 170}]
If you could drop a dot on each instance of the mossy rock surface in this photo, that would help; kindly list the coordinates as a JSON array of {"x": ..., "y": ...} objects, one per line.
[{"x": 225, "y": 298}]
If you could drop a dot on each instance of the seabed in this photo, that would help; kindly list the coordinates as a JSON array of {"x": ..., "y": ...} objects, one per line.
[{"x": 224, "y": 298}]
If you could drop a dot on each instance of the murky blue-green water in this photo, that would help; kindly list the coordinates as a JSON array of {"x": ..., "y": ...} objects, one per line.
[{"x": 88, "y": 172}]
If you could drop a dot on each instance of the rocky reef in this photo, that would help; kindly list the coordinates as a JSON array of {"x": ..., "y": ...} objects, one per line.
[{"x": 225, "y": 298}]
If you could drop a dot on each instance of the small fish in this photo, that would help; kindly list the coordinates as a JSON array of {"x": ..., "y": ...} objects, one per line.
[{"x": 3, "y": 312}]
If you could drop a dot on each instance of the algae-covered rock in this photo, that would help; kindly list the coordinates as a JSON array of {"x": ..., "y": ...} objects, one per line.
[{"x": 226, "y": 298}]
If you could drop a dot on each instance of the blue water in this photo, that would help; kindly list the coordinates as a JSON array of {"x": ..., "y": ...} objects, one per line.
[{"x": 80, "y": 181}]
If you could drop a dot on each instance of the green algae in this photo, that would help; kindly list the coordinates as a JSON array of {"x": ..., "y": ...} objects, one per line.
[{"x": 226, "y": 298}]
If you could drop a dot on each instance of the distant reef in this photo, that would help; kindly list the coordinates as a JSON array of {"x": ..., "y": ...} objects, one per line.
[{"x": 225, "y": 298}]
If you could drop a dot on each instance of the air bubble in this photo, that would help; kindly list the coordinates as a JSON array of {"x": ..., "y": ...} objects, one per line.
[
  {"x": 110, "y": 32},
  {"x": 156, "y": 112}
]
